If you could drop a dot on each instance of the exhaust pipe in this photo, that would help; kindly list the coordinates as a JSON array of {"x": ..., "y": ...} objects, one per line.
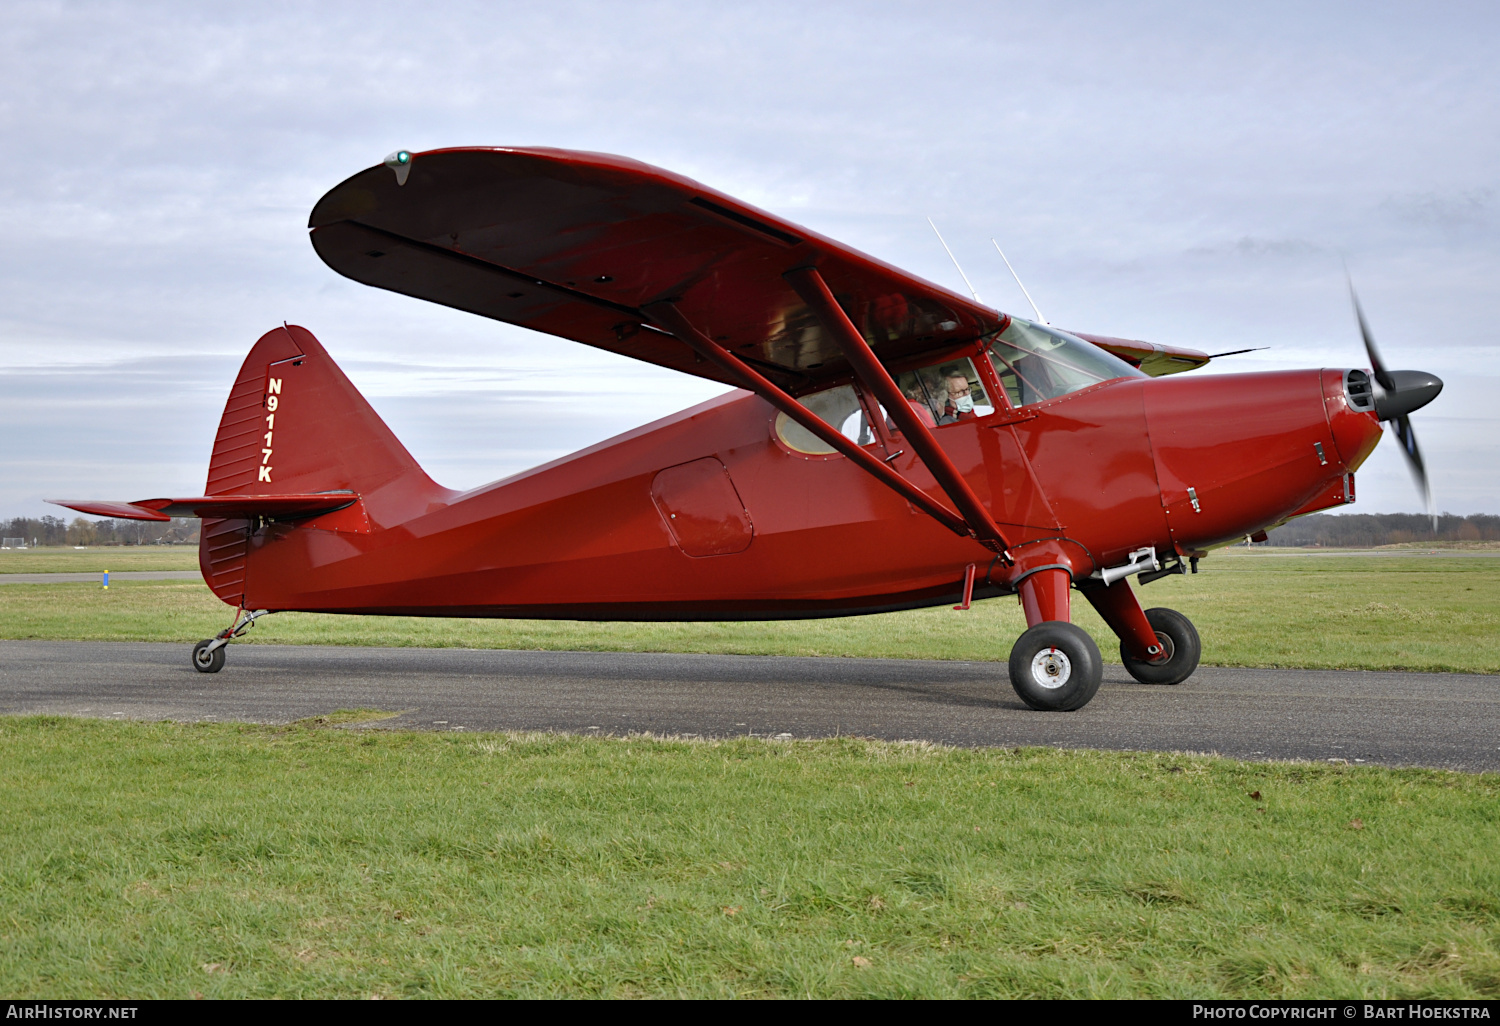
[{"x": 1140, "y": 561}]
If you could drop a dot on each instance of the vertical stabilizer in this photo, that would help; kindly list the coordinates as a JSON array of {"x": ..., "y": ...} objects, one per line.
[{"x": 295, "y": 424}]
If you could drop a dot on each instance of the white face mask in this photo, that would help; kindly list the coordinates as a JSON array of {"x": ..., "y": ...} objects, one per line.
[{"x": 964, "y": 404}]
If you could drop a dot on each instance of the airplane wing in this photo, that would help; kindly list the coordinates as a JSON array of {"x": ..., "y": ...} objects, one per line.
[
  {"x": 574, "y": 244},
  {"x": 1156, "y": 360},
  {"x": 236, "y": 507}
]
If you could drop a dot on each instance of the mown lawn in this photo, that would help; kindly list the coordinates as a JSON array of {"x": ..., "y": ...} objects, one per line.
[
  {"x": 172, "y": 860},
  {"x": 97, "y": 560},
  {"x": 1348, "y": 611}
]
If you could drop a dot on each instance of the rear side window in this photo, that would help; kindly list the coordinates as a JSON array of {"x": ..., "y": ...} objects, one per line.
[{"x": 839, "y": 407}]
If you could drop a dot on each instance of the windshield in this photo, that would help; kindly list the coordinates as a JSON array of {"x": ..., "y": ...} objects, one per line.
[{"x": 1037, "y": 362}]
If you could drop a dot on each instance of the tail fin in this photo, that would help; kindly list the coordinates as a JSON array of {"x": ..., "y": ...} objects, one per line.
[{"x": 295, "y": 424}]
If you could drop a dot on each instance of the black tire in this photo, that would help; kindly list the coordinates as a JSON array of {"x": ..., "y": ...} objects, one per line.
[
  {"x": 1045, "y": 681},
  {"x": 205, "y": 661},
  {"x": 1179, "y": 637}
]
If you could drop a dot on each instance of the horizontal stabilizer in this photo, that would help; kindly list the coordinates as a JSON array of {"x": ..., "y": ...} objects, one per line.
[{"x": 236, "y": 507}]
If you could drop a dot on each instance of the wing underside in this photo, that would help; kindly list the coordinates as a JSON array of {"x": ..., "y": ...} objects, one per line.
[
  {"x": 575, "y": 244},
  {"x": 1151, "y": 357}
]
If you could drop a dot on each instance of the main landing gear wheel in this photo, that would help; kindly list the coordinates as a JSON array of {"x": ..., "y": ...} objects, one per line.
[
  {"x": 1180, "y": 639},
  {"x": 1055, "y": 667},
  {"x": 206, "y": 659}
]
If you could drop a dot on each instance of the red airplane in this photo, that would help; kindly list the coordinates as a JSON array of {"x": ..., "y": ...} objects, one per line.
[{"x": 888, "y": 444}]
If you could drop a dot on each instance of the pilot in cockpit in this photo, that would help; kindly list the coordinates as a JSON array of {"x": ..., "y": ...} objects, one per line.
[{"x": 960, "y": 403}]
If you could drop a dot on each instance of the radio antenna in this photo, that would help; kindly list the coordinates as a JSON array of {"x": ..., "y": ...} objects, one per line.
[
  {"x": 1016, "y": 276},
  {"x": 961, "y": 273}
]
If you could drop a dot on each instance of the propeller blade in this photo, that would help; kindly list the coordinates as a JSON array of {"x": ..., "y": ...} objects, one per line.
[
  {"x": 1381, "y": 374},
  {"x": 1406, "y": 435},
  {"x": 1398, "y": 398}
]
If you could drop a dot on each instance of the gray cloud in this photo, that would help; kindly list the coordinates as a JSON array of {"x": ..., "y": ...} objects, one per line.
[
  {"x": 1249, "y": 246},
  {"x": 1453, "y": 211},
  {"x": 1176, "y": 172}
]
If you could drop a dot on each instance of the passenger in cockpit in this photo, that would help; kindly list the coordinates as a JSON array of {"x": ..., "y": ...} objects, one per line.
[{"x": 917, "y": 400}]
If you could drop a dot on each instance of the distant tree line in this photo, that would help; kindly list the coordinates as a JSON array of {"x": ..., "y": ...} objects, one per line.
[
  {"x": 56, "y": 531},
  {"x": 1357, "y": 530},
  {"x": 1364, "y": 530}
]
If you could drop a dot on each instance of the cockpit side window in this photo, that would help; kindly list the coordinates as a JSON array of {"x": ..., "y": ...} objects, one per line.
[
  {"x": 1036, "y": 362},
  {"x": 945, "y": 393}
]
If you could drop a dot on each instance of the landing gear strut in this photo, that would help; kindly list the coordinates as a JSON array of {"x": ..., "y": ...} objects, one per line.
[
  {"x": 1157, "y": 646},
  {"x": 1056, "y": 666},
  {"x": 208, "y": 654}
]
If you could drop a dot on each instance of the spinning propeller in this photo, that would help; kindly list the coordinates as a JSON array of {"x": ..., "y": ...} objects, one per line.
[{"x": 1401, "y": 393}]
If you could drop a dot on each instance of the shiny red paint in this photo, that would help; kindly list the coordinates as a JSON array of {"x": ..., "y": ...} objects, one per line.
[
  {"x": 704, "y": 515},
  {"x": 1247, "y": 445},
  {"x": 282, "y": 507},
  {"x": 815, "y": 293},
  {"x": 968, "y": 600},
  {"x": 701, "y": 508},
  {"x": 575, "y": 244},
  {"x": 1118, "y": 608},
  {"x": 313, "y": 504},
  {"x": 1044, "y": 595}
]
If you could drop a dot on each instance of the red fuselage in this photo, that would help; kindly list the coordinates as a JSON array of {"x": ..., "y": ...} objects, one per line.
[{"x": 708, "y": 514}]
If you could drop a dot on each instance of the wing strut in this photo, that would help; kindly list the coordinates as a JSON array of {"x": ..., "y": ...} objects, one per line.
[
  {"x": 815, "y": 293},
  {"x": 669, "y": 317}
]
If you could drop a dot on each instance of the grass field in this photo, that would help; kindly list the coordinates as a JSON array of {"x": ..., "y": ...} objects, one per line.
[
  {"x": 315, "y": 860},
  {"x": 170, "y": 860},
  {"x": 97, "y": 560},
  {"x": 1252, "y": 609}
]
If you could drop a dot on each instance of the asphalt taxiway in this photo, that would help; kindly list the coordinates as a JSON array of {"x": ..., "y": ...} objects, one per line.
[{"x": 1439, "y": 720}]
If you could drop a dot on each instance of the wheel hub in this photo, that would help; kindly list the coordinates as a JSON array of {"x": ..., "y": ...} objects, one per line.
[
  {"x": 1167, "y": 649},
  {"x": 1051, "y": 669}
]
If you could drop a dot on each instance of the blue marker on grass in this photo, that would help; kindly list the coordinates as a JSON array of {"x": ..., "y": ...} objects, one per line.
[{"x": 106, "y": 580}]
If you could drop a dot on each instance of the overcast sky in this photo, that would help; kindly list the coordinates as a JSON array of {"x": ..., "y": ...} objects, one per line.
[{"x": 1173, "y": 172}]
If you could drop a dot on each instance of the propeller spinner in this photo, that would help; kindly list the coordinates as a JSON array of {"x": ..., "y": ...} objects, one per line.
[{"x": 1401, "y": 393}]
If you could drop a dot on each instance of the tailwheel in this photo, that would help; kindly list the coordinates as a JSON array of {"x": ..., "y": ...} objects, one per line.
[
  {"x": 208, "y": 655},
  {"x": 1055, "y": 667},
  {"x": 1179, "y": 638}
]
